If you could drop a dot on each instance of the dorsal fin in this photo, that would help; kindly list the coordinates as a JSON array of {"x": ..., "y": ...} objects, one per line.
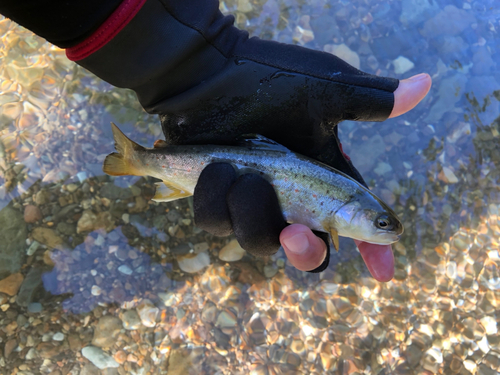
[{"x": 258, "y": 142}]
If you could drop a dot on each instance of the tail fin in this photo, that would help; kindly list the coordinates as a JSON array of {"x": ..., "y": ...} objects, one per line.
[{"x": 123, "y": 162}]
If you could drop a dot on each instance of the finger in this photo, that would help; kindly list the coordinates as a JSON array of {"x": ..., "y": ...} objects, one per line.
[
  {"x": 209, "y": 199},
  {"x": 256, "y": 214},
  {"x": 378, "y": 258},
  {"x": 409, "y": 93},
  {"x": 304, "y": 250}
]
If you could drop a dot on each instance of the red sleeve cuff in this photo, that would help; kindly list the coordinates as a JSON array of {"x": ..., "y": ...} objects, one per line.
[{"x": 107, "y": 31}]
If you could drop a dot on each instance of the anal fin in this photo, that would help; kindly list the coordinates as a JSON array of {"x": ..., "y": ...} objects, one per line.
[{"x": 167, "y": 192}]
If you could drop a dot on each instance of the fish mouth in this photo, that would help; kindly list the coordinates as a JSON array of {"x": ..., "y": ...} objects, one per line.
[{"x": 386, "y": 239}]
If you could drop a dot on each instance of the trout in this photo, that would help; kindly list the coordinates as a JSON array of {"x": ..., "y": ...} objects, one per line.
[{"x": 309, "y": 192}]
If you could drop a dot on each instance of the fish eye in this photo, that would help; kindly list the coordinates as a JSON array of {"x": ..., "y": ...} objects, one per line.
[{"x": 384, "y": 222}]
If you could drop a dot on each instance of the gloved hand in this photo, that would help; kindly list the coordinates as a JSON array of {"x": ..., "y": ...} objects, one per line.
[{"x": 210, "y": 83}]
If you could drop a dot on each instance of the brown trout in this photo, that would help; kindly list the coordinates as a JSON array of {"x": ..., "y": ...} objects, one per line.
[{"x": 309, "y": 192}]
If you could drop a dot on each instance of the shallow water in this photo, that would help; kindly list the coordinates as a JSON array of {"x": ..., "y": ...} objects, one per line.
[{"x": 91, "y": 268}]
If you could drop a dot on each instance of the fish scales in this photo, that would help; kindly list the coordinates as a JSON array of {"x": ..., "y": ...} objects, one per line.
[{"x": 303, "y": 188}]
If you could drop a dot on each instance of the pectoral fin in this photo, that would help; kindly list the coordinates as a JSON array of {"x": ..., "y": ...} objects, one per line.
[
  {"x": 335, "y": 238},
  {"x": 166, "y": 192}
]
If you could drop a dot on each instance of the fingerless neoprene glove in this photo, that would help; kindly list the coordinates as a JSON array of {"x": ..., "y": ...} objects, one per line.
[{"x": 210, "y": 83}]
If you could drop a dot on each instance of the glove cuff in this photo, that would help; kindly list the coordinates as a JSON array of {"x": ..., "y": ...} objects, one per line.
[{"x": 107, "y": 31}]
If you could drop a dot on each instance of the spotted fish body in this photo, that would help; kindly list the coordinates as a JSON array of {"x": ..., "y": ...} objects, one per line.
[{"x": 309, "y": 192}]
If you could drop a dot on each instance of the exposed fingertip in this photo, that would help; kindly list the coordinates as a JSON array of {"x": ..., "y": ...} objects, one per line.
[{"x": 303, "y": 248}]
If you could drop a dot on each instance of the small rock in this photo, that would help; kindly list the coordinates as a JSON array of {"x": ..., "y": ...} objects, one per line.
[
  {"x": 270, "y": 270},
  {"x": 111, "y": 191},
  {"x": 447, "y": 176},
  {"x": 9, "y": 347},
  {"x": 382, "y": 168},
  {"x": 48, "y": 350},
  {"x": 90, "y": 369},
  {"x": 140, "y": 205},
  {"x": 343, "y": 52},
  {"x": 126, "y": 270},
  {"x": 89, "y": 221},
  {"x": 48, "y": 237},
  {"x": 226, "y": 319},
  {"x": 31, "y": 354},
  {"x": 33, "y": 248},
  {"x": 193, "y": 263},
  {"x": 58, "y": 336},
  {"x": 29, "y": 287},
  {"x": 199, "y": 247},
  {"x": 32, "y": 214},
  {"x": 173, "y": 216},
  {"x": 13, "y": 235},
  {"x": 131, "y": 320},
  {"x": 148, "y": 313},
  {"x": 106, "y": 330},
  {"x": 231, "y": 252},
  {"x": 42, "y": 197},
  {"x": 120, "y": 357},
  {"x": 75, "y": 343},
  {"x": 95, "y": 290},
  {"x": 34, "y": 307},
  {"x": 86, "y": 222},
  {"x": 11, "y": 284},
  {"x": 71, "y": 188},
  {"x": 47, "y": 258},
  {"x": 66, "y": 228},
  {"x": 450, "y": 21},
  {"x": 402, "y": 65},
  {"x": 99, "y": 358}
]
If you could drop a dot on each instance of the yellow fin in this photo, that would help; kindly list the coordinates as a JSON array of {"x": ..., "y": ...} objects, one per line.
[
  {"x": 166, "y": 192},
  {"x": 335, "y": 238},
  {"x": 116, "y": 165},
  {"x": 123, "y": 162}
]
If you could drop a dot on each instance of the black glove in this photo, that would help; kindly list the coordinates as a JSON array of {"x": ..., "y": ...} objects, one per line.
[
  {"x": 225, "y": 202},
  {"x": 210, "y": 83}
]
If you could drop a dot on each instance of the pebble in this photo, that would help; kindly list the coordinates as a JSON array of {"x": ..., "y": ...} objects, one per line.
[
  {"x": 11, "y": 284},
  {"x": 47, "y": 237},
  {"x": 71, "y": 188},
  {"x": 232, "y": 252},
  {"x": 270, "y": 270},
  {"x": 3, "y": 299},
  {"x": 126, "y": 218},
  {"x": 95, "y": 290},
  {"x": 382, "y": 168},
  {"x": 9, "y": 347},
  {"x": 99, "y": 358},
  {"x": 32, "y": 248},
  {"x": 58, "y": 336},
  {"x": 31, "y": 354},
  {"x": 402, "y": 65},
  {"x": 34, "y": 307},
  {"x": 148, "y": 313},
  {"x": 106, "y": 330},
  {"x": 42, "y": 197},
  {"x": 29, "y": 287},
  {"x": 131, "y": 320},
  {"x": 126, "y": 270},
  {"x": 86, "y": 222},
  {"x": 447, "y": 176},
  {"x": 32, "y": 214},
  {"x": 193, "y": 264},
  {"x": 344, "y": 52}
]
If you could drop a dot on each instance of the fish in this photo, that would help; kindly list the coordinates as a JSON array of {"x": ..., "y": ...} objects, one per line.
[{"x": 309, "y": 192}]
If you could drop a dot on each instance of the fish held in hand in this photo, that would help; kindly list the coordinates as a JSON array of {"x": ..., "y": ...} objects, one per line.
[{"x": 309, "y": 192}]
